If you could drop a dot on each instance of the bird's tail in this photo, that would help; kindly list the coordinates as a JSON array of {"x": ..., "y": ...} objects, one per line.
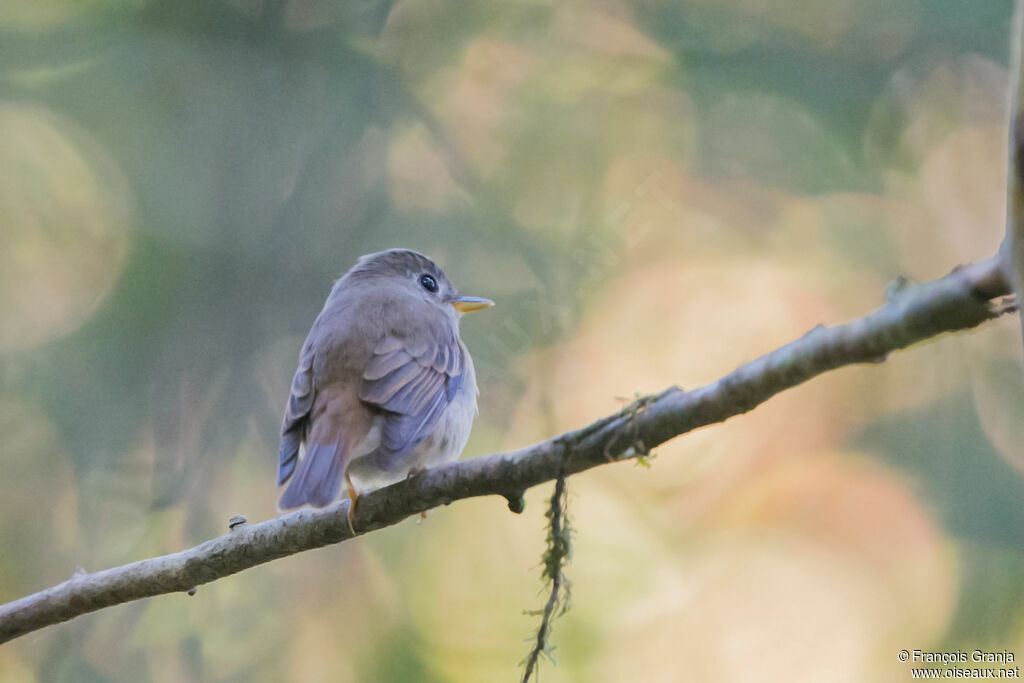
[{"x": 317, "y": 478}]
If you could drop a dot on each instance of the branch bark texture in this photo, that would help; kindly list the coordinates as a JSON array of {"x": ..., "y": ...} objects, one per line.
[{"x": 961, "y": 300}]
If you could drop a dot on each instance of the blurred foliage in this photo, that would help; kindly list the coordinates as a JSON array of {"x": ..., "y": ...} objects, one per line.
[{"x": 653, "y": 193}]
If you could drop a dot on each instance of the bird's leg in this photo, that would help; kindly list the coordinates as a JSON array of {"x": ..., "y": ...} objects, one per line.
[{"x": 352, "y": 497}]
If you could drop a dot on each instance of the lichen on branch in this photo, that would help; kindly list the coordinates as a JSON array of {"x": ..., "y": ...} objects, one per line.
[{"x": 556, "y": 556}]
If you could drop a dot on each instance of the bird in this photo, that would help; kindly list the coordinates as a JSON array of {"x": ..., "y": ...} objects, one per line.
[{"x": 384, "y": 388}]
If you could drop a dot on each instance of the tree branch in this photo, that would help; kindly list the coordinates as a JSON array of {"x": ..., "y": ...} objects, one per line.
[
  {"x": 961, "y": 300},
  {"x": 1013, "y": 246}
]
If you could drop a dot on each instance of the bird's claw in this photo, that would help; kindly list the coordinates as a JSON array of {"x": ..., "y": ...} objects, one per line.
[{"x": 353, "y": 496}]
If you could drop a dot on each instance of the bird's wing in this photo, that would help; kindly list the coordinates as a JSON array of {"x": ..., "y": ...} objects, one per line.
[
  {"x": 296, "y": 414},
  {"x": 342, "y": 422},
  {"x": 413, "y": 382}
]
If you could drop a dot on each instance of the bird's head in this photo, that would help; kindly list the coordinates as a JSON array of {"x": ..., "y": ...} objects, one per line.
[{"x": 416, "y": 276}]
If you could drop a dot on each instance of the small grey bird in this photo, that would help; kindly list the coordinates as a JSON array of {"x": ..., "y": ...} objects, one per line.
[{"x": 384, "y": 388}]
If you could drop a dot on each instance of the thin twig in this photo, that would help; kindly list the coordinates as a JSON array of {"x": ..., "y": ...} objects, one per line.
[{"x": 1013, "y": 245}]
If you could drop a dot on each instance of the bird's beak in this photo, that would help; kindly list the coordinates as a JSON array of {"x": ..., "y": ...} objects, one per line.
[{"x": 468, "y": 304}]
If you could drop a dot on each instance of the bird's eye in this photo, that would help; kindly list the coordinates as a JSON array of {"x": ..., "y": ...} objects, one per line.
[{"x": 429, "y": 283}]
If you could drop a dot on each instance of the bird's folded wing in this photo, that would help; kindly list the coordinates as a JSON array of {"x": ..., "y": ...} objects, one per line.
[
  {"x": 296, "y": 414},
  {"x": 413, "y": 384}
]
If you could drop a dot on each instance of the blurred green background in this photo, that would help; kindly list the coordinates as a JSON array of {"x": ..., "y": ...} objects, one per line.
[{"x": 653, "y": 192}]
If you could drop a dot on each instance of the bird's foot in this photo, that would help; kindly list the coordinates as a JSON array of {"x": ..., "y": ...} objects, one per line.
[
  {"x": 413, "y": 471},
  {"x": 353, "y": 496}
]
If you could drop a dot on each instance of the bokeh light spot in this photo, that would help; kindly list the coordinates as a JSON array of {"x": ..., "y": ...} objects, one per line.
[{"x": 65, "y": 226}]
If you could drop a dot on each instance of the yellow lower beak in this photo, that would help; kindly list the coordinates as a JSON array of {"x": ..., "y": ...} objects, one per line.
[{"x": 468, "y": 304}]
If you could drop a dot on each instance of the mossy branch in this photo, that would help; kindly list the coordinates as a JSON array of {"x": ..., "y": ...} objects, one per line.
[{"x": 961, "y": 300}]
